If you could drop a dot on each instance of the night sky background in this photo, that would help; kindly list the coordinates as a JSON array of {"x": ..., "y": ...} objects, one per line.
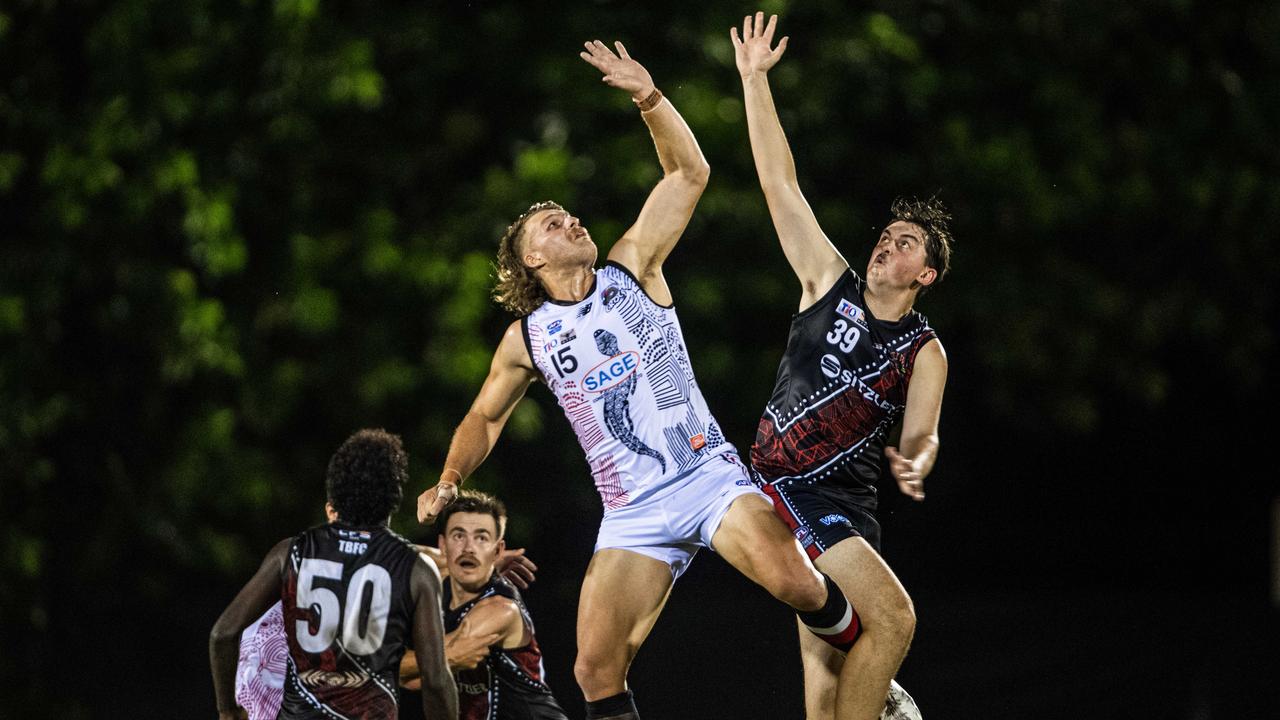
[{"x": 232, "y": 233}]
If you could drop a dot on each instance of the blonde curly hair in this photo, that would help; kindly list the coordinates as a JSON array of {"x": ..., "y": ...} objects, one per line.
[{"x": 518, "y": 288}]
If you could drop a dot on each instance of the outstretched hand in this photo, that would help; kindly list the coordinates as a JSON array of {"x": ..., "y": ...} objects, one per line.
[
  {"x": 906, "y": 473},
  {"x": 516, "y": 568},
  {"x": 619, "y": 70},
  {"x": 752, "y": 51}
]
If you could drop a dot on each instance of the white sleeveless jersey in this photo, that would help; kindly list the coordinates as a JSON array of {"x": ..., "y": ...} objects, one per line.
[{"x": 617, "y": 363}]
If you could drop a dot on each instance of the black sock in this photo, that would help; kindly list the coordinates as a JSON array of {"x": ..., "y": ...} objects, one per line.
[
  {"x": 836, "y": 622},
  {"x": 614, "y": 707}
]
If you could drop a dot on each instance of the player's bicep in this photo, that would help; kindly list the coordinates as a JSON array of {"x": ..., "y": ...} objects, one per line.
[
  {"x": 924, "y": 395},
  {"x": 510, "y": 375},
  {"x": 496, "y": 616}
]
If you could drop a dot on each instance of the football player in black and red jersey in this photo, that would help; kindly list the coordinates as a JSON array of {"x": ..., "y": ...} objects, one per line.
[
  {"x": 491, "y": 645},
  {"x": 354, "y": 594},
  {"x": 859, "y": 360}
]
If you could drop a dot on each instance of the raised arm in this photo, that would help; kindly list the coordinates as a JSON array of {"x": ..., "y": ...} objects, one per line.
[
  {"x": 919, "y": 442},
  {"x": 510, "y": 374},
  {"x": 644, "y": 247},
  {"x": 814, "y": 259},
  {"x": 439, "y": 693},
  {"x": 256, "y": 597}
]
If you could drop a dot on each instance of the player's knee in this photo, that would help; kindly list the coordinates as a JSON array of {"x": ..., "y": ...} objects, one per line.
[
  {"x": 896, "y": 619},
  {"x": 599, "y": 673},
  {"x": 804, "y": 591}
]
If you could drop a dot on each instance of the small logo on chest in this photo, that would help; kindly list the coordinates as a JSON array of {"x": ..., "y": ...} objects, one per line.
[{"x": 853, "y": 312}]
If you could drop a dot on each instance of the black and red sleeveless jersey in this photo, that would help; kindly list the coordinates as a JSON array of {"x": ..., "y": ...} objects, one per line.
[
  {"x": 348, "y": 616},
  {"x": 508, "y": 684},
  {"x": 842, "y": 385}
]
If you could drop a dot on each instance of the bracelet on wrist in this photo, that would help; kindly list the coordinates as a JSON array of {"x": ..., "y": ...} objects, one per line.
[{"x": 649, "y": 102}]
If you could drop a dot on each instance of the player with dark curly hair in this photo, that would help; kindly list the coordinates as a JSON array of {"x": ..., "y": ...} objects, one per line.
[
  {"x": 858, "y": 361},
  {"x": 353, "y": 594}
]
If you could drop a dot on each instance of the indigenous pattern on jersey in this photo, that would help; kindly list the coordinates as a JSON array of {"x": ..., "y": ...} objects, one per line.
[
  {"x": 842, "y": 385},
  {"x": 348, "y": 615},
  {"x": 260, "y": 672},
  {"x": 617, "y": 364},
  {"x": 508, "y": 684}
]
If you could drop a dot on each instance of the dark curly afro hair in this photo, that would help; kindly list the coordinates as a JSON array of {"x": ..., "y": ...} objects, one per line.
[{"x": 366, "y": 477}]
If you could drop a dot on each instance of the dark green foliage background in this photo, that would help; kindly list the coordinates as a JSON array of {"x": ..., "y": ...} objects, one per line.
[{"x": 233, "y": 232}]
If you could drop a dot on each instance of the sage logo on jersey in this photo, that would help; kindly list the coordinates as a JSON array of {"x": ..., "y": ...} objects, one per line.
[
  {"x": 853, "y": 312},
  {"x": 611, "y": 371}
]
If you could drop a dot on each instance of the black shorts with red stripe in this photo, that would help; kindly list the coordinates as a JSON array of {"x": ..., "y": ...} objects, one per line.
[{"x": 820, "y": 516}]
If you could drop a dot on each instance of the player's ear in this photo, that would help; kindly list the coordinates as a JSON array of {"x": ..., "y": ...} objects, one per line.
[
  {"x": 330, "y": 513},
  {"x": 534, "y": 260},
  {"x": 927, "y": 277},
  {"x": 501, "y": 546},
  {"x": 440, "y": 542}
]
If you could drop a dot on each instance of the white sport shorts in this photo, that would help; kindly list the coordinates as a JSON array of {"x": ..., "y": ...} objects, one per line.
[{"x": 670, "y": 523}]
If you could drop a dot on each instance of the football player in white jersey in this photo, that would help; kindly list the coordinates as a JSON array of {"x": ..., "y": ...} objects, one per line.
[{"x": 609, "y": 347}]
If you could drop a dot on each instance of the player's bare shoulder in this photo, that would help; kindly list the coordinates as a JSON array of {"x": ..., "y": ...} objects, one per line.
[
  {"x": 932, "y": 357},
  {"x": 513, "y": 350}
]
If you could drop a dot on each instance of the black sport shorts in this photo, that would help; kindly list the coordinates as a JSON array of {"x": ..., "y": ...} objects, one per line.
[{"x": 821, "y": 516}]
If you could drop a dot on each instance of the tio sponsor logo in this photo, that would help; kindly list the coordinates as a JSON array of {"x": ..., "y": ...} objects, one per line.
[
  {"x": 611, "y": 372},
  {"x": 853, "y": 312}
]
